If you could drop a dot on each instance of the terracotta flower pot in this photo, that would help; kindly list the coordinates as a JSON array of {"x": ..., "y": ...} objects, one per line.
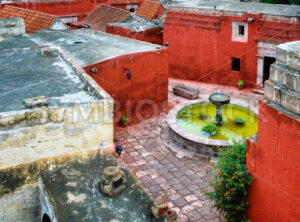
[
  {"x": 241, "y": 87},
  {"x": 123, "y": 124}
]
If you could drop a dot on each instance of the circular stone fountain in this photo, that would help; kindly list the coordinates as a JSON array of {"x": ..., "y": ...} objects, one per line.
[{"x": 187, "y": 121}]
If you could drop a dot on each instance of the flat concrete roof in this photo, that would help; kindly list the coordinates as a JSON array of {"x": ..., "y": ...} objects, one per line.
[
  {"x": 88, "y": 46},
  {"x": 236, "y": 6},
  {"x": 73, "y": 192},
  {"x": 16, "y": 42},
  {"x": 26, "y": 73},
  {"x": 136, "y": 23}
]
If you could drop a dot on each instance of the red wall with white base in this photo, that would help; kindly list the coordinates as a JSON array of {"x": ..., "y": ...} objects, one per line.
[{"x": 274, "y": 161}]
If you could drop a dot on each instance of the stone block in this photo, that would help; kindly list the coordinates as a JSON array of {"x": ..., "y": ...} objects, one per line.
[
  {"x": 290, "y": 101},
  {"x": 186, "y": 92},
  {"x": 35, "y": 102}
]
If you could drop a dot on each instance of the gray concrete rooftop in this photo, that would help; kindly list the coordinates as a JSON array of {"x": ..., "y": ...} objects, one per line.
[
  {"x": 75, "y": 195},
  {"x": 136, "y": 23},
  {"x": 89, "y": 46},
  {"x": 236, "y": 6},
  {"x": 26, "y": 73}
]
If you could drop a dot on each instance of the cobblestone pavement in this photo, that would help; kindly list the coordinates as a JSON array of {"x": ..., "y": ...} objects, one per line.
[{"x": 179, "y": 179}]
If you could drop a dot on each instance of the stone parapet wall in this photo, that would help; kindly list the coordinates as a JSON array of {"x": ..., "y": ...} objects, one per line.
[{"x": 283, "y": 87}]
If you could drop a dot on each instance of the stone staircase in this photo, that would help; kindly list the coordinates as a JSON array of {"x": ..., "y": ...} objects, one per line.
[{"x": 283, "y": 87}]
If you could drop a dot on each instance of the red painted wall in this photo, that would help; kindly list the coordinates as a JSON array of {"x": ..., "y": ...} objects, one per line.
[
  {"x": 149, "y": 81},
  {"x": 274, "y": 163},
  {"x": 61, "y": 8},
  {"x": 201, "y": 47},
  {"x": 123, "y": 6},
  {"x": 154, "y": 35}
]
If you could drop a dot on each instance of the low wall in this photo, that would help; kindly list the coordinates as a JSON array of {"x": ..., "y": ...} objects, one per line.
[{"x": 154, "y": 35}]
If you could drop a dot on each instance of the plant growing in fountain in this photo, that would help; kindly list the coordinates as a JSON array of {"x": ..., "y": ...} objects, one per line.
[
  {"x": 230, "y": 183},
  {"x": 211, "y": 129},
  {"x": 239, "y": 121},
  {"x": 185, "y": 114}
]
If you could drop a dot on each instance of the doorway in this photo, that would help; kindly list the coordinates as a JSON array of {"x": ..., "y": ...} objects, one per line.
[
  {"x": 46, "y": 218},
  {"x": 267, "y": 63}
]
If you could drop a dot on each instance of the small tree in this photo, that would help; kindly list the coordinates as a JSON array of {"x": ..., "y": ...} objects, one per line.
[{"x": 230, "y": 183}]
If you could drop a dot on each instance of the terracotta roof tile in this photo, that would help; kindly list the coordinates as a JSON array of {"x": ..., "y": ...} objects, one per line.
[
  {"x": 123, "y": 2},
  {"x": 34, "y": 21},
  {"x": 148, "y": 9},
  {"x": 103, "y": 15}
]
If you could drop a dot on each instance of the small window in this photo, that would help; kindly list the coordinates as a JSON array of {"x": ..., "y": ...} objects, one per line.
[
  {"x": 241, "y": 30},
  {"x": 235, "y": 64}
]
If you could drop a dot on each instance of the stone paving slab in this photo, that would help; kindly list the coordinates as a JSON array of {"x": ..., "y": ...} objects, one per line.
[{"x": 178, "y": 178}]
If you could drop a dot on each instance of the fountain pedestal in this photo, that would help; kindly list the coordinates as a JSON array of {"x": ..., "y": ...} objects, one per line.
[{"x": 219, "y": 99}]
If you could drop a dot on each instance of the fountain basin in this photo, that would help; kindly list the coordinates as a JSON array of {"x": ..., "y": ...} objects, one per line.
[{"x": 189, "y": 136}]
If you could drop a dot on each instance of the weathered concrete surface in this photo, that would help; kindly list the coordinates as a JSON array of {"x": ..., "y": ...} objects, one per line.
[
  {"x": 14, "y": 178},
  {"x": 239, "y": 7},
  {"x": 30, "y": 74},
  {"x": 89, "y": 46},
  {"x": 11, "y": 26},
  {"x": 74, "y": 193},
  {"x": 79, "y": 115},
  {"x": 23, "y": 205}
]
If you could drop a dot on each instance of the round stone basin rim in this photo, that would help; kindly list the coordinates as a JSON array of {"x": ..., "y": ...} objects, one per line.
[{"x": 171, "y": 120}]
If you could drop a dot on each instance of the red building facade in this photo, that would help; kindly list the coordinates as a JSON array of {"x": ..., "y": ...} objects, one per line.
[{"x": 223, "y": 46}]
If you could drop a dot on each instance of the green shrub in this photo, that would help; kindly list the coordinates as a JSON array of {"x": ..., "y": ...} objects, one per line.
[
  {"x": 211, "y": 129},
  {"x": 124, "y": 119},
  {"x": 230, "y": 183},
  {"x": 240, "y": 83},
  {"x": 185, "y": 113}
]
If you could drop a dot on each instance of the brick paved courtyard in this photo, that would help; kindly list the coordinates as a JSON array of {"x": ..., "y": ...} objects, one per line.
[{"x": 178, "y": 178}]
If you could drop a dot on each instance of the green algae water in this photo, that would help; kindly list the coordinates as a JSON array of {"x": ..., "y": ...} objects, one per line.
[{"x": 205, "y": 114}]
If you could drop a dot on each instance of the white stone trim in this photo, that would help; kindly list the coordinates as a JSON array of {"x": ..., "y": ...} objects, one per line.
[
  {"x": 236, "y": 37},
  {"x": 264, "y": 49}
]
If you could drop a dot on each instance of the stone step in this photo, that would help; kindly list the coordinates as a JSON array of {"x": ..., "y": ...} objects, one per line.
[
  {"x": 285, "y": 75},
  {"x": 282, "y": 96},
  {"x": 289, "y": 55}
]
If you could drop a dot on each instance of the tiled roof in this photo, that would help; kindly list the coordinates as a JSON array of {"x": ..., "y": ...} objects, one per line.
[
  {"x": 148, "y": 8},
  {"x": 34, "y": 21},
  {"x": 103, "y": 15},
  {"x": 123, "y": 2}
]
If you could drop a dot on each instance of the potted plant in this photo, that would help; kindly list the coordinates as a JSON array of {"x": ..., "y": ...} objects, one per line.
[
  {"x": 239, "y": 121},
  {"x": 240, "y": 84},
  {"x": 123, "y": 121},
  {"x": 211, "y": 129}
]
